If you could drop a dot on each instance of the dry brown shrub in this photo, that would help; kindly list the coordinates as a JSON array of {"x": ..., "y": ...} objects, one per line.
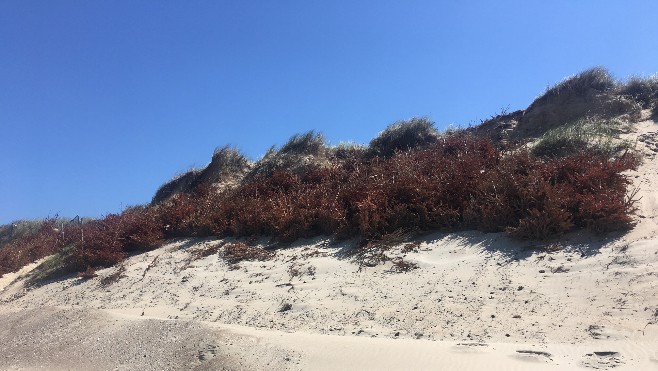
[
  {"x": 100, "y": 245},
  {"x": 206, "y": 251},
  {"x": 458, "y": 182},
  {"x": 402, "y": 266},
  {"x": 29, "y": 247},
  {"x": 140, "y": 229},
  {"x": 114, "y": 277},
  {"x": 237, "y": 252}
]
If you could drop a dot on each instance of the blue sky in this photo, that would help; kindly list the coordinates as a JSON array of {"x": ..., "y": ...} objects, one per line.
[{"x": 102, "y": 102}]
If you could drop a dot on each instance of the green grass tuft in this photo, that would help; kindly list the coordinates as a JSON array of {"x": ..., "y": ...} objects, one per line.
[
  {"x": 415, "y": 133},
  {"x": 309, "y": 143},
  {"x": 579, "y": 85},
  {"x": 301, "y": 152},
  {"x": 594, "y": 135}
]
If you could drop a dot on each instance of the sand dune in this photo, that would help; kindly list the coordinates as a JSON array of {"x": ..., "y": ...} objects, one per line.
[{"x": 475, "y": 301}]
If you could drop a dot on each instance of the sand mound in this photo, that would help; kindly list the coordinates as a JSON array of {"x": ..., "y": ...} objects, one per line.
[{"x": 444, "y": 301}]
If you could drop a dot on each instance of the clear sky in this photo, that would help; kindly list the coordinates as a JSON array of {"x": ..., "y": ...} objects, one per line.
[{"x": 103, "y": 101}]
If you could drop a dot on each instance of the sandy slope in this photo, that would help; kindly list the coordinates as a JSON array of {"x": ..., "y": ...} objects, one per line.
[{"x": 476, "y": 301}]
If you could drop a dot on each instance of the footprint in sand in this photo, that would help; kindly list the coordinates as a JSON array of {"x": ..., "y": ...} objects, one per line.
[{"x": 603, "y": 360}]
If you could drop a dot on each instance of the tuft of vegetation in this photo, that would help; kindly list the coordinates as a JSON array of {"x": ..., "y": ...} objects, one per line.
[
  {"x": 402, "y": 266},
  {"x": 178, "y": 184},
  {"x": 227, "y": 165},
  {"x": 87, "y": 274},
  {"x": 113, "y": 277},
  {"x": 301, "y": 152},
  {"x": 206, "y": 251},
  {"x": 590, "y": 134},
  {"x": 597, "y": 78},
  {"x": 348, "y": 150},
  {"x": 642, "y": 90},
  {"x": 309, "y": 143},
  {"x": 417, "y": 132},
  {"x": 591, "y": 93},
  {"x": 54, "y": 266},
  {"x": 237, "y": 252},
  {"x": 229, "y": 159}
]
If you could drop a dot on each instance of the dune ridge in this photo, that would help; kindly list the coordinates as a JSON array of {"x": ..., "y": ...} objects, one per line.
[
  {"x": 475, "y": 300},
  {"x": 415, "y": 300}
]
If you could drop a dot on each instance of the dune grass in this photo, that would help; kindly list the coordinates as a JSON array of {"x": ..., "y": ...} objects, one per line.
[
  {"x": 597, "y": 78},
  {"x": 299, "y": 153},
  {"x": 591, "y": 134},
  {"x": 181, "y": 183},
  {"x": 404, "y": 135},
  {"x": 643, "y": 90},
  {"x": 227, "y": 164}
]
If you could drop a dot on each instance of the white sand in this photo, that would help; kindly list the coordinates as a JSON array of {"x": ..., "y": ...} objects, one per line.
[{"x": 477, "y": 301}]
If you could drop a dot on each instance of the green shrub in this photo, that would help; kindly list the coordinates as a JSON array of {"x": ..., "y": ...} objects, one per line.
[
  {"x": 53, "y": 267},
  {"x": 403, "y": 136},
  {"x": 591, "y": 134}
]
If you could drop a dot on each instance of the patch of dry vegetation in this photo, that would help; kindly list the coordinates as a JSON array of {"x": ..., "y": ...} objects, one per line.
[
  {"x": 18, "y": 229},
  {"x": 237, "y": 252},
  {"x": 31, "y": 244},
  {"x": 410, "y": 178},
  {"x": 459, "y": 182}
]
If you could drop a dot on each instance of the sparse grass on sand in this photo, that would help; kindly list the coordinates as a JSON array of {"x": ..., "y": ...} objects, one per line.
[{"x": 590, "y": 134}]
